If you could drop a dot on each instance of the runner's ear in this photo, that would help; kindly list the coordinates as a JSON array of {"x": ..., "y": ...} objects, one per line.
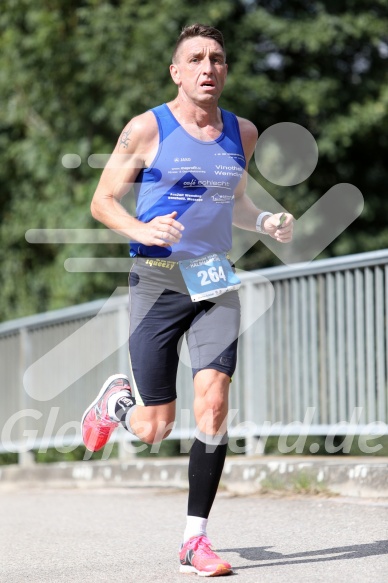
[{"x": 174, "y": 72}]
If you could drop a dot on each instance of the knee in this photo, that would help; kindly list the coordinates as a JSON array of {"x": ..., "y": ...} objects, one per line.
[
  {"x": 212, "y": 410},
  {"x": 214, "y": 403},
  {"x": 153, "y": 424},
  {"x": 151, "y": 432},
  {"x": 156, "y": 436}
]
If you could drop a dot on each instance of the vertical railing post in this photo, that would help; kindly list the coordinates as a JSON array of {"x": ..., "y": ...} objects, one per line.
[{"x": 25, "y": 458}]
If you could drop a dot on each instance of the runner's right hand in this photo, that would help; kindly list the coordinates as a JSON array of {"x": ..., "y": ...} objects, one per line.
[{"x": 162, "y": 231}]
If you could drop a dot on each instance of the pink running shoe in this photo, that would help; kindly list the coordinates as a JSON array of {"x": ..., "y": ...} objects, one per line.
[
  {"x": 97, "y": 426},
  {"x": 197, "y": 557}
]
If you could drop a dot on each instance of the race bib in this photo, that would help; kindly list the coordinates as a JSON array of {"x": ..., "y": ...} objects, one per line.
[{"x": 208, "y": 276}]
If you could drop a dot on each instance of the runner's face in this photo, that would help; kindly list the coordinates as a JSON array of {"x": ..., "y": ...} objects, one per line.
[{"x": 200, "y": 69}]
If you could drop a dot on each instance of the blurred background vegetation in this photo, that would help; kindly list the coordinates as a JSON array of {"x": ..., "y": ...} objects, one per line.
[
  {"x": 340, "y": 445},
  {"x": 73, "y": 72}
]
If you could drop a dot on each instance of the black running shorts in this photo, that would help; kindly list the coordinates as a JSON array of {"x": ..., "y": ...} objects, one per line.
[{"x": 161, "y": 312}]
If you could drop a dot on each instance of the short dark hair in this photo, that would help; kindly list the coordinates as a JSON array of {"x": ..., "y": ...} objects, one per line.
[{"x": 197, "y": 29}]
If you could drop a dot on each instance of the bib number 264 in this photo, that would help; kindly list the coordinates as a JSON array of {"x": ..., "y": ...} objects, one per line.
[
  {"x": 211, "y": 275},
  {"x": 208, "y": 276}
]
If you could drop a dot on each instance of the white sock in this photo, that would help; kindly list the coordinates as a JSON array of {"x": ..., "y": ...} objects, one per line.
[
  {"x": 195, "y": 526},
  {"x": 112, "y": 404}
]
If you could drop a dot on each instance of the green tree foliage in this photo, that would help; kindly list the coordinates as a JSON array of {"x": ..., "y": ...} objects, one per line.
[{"x": 72, "y": 73}]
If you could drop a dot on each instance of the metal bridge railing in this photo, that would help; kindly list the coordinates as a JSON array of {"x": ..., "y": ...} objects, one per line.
[{"x": 313, "y": 356}]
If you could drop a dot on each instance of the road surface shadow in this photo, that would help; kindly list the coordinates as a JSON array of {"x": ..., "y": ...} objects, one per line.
[{"x": 341, "y": 553}]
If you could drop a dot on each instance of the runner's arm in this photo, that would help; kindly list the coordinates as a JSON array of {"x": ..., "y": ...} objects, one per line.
[
  {"x": 136, "y": 143},
  {"x": 245, "y": 212}
]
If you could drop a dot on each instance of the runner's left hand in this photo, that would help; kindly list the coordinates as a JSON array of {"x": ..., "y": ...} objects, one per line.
[{"x": 279, "y": 226}]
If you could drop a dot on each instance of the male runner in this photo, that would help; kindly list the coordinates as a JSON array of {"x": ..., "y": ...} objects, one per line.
[{"x": 186, "y": 161}]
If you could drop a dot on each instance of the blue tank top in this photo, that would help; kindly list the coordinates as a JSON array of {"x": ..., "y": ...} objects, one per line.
[{"x": 195, "y": 178}]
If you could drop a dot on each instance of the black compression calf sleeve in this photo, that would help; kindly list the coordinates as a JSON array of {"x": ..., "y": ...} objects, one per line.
[{"x": 207, "y": 457}]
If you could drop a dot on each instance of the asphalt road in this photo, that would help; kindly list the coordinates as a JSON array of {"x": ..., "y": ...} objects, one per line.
[{"x": 128, "y": 535}]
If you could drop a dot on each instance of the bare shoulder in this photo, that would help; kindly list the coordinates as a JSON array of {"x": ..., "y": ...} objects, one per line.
[
  {"x": 140, "y": 132},
  {"x": 249, "y": 133}
]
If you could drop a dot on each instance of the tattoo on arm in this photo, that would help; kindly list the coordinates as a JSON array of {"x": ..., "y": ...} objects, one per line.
[{"x": 124, "y": 138}]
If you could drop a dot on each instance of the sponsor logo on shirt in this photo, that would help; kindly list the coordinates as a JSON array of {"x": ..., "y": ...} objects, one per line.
[{"x": 222, "y": 198}]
